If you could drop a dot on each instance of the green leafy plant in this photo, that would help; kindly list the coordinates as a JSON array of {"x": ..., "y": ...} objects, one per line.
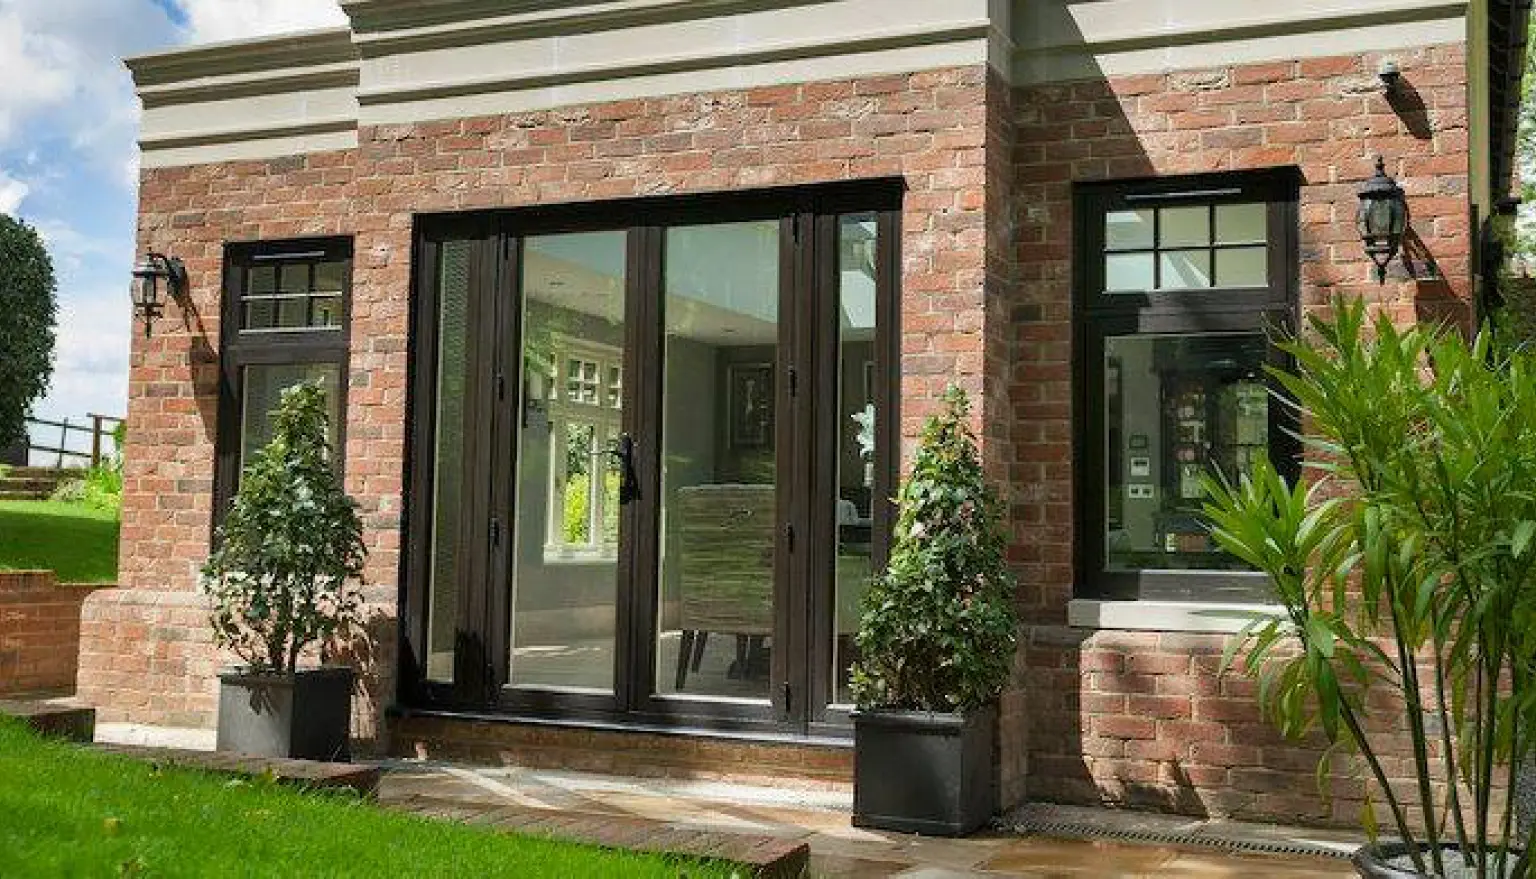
[
  {"x": 282, "y": 575},
  {"x": 1407, "y": 564},
  {"x": 939, "y": 628},
  {"x": 101, "y": 488}
]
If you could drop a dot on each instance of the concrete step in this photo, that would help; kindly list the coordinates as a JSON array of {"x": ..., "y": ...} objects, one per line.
[{"x": 59, "y": 718}]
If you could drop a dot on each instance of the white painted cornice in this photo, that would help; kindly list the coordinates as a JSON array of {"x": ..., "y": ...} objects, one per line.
[{"x": 243, "y": 57}]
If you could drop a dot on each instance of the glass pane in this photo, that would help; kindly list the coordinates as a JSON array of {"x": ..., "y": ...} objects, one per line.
[
  {"x": 330, "y": 277},
  {"x": 565, "y": 525},
  {"x": 1177, "y": 407},
  {"x": 718, "y": 499},
  {"x": 263, "y": 386},
  {"x": 1184, "y": 227},
  {"x": 293, "y": 312},
  {"x": 325, "y": 311},
  {"x": 260, "y": 314},
  {"x": 262, "y": 280},
  {"x": 448, "y": 494},
  {"x": 1128, "y": 230},
  {"x": 1128, "y": 272},
  {"x": 856, "y": 423},
  {"x": 573, "y": 489},
  {"x": 1185, "y": 269},
  {"x": 1242, "y": 223},
  {"x": 1242, "y": 267},
  {"x": 294, "y": 278}
]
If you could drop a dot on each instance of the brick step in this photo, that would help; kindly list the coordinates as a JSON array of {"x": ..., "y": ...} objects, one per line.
[
  {"x": 58, "y": 718},
  {"x": 361, "y": 777},
  {"x": 769, "y": 857}
]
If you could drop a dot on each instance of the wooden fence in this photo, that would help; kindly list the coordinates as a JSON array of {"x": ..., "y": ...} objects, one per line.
[{"x": 98, "y": 427}]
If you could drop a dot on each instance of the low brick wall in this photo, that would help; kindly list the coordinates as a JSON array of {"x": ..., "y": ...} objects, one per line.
[
  {"x": 1144, "y": 720},
  {"x": 39, "y": 633},
  {"x": 148, "y": 657}
]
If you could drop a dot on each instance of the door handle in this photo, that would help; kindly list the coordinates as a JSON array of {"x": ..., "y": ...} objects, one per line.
[{"x": 629, "y": 484}]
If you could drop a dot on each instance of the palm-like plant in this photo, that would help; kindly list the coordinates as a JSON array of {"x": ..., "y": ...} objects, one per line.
[{"x": 1407, "y": 563}]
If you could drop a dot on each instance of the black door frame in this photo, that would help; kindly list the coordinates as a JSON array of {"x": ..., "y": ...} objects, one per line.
[{"x": 807, "y": 355}]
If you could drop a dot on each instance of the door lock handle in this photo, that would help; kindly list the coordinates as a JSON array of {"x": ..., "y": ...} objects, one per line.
[{"x": 629, "y": 483}]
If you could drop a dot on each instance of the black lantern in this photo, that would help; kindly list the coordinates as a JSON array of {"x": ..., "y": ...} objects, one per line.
[
  {"x": 1383, "y": 218},
  {"x": 147, "y": 275}
]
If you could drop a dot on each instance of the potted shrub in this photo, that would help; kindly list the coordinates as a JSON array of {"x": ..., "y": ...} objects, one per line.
[
  {"x": 281, "y": 580},
  {"x": 936, "y": 646},
  {"x": 1406, "y": 563}
]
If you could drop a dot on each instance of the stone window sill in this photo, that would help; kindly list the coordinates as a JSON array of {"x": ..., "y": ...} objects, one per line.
[{"x": 1164, "y": 616}]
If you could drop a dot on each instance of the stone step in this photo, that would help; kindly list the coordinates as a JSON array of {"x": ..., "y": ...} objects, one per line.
[
  {"x": 361, "y": 777},
  {"x": 767, "y": 857},
  {"x": 18, "y": 483},
  {"x": 6, "y": 495},
  {"x": 58, "y": 718},
  {"x": 45, "y": 472}
]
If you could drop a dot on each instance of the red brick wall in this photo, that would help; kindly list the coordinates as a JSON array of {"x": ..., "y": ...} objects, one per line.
[
  {"x": 39, "y": 633},
  {"x": 929, "y": 128},
  {"x": 986, "y": 293},
  {"x": 1141, "y": 718}
]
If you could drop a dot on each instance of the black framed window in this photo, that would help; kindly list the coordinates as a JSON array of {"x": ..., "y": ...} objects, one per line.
[
  {"x": 1180, "y": 284},
  {"x": 284, "y": 322}
]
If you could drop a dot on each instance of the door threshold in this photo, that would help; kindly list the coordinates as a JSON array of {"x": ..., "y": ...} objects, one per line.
[{"x": 754, "y": 736}]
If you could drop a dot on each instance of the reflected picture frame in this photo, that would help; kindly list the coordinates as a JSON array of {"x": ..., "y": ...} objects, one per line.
[{"x": 750, "y": 403}]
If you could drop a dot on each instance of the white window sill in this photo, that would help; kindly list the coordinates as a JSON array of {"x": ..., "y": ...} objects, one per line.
[
  {"x": 1165, "y": 616},
  {"x": 564, "y": 554}
]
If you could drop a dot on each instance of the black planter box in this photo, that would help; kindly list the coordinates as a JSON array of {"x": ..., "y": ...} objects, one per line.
[
  {"x": 920, "y": 772},
  {"x": 307, "y": 716}
]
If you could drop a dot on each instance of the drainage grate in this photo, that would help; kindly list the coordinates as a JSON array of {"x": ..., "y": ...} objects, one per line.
[{"x": 1193, "y": 838}]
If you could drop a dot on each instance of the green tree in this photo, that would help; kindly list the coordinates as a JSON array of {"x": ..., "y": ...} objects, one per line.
[
  {"x": 281, "y": 577},
  {"x": 28, "y": 313},
  {"x": 939, "y": 628}
]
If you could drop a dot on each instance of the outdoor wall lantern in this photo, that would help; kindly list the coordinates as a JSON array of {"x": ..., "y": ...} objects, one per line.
[
  {"x": 147, "y": 275},
  {"x": 1383, "y": 218}
]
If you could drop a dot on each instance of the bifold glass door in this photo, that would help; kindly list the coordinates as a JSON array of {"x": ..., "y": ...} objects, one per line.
[{"x": 649, "y": 461}]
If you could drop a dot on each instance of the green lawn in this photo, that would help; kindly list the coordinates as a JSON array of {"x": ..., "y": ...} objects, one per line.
[
  {"x": 77, "y": 541},
  {"x": 66, "y": 811}
]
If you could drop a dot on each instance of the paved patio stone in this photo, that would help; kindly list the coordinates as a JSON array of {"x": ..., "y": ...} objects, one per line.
[{"x": 742, "y": 822}]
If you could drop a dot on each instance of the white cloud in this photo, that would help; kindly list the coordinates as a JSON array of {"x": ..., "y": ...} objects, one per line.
[
  {"x": 12, "y": 193},
  {"x": 212, "y": 20}
]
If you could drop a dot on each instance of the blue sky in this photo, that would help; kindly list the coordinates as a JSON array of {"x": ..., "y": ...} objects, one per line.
[{"x": 69, "y": 164}]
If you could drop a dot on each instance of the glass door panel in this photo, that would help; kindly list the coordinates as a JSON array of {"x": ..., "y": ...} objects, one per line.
[
  {"x": 855, "y": 384},
  {"x": 448, "y": 499},
  {"x": 570, "y": 415},
  {"x": 717, "y": 582}
]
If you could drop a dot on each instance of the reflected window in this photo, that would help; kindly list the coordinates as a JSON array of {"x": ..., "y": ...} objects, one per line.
[{"x": 1180, "y": 406}]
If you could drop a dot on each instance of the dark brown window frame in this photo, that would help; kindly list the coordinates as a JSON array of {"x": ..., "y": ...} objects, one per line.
[
  {"x": 1099, "y": 315},
  {"x": 808, "y": 221},
  {"x": 273, "y": 347}
]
